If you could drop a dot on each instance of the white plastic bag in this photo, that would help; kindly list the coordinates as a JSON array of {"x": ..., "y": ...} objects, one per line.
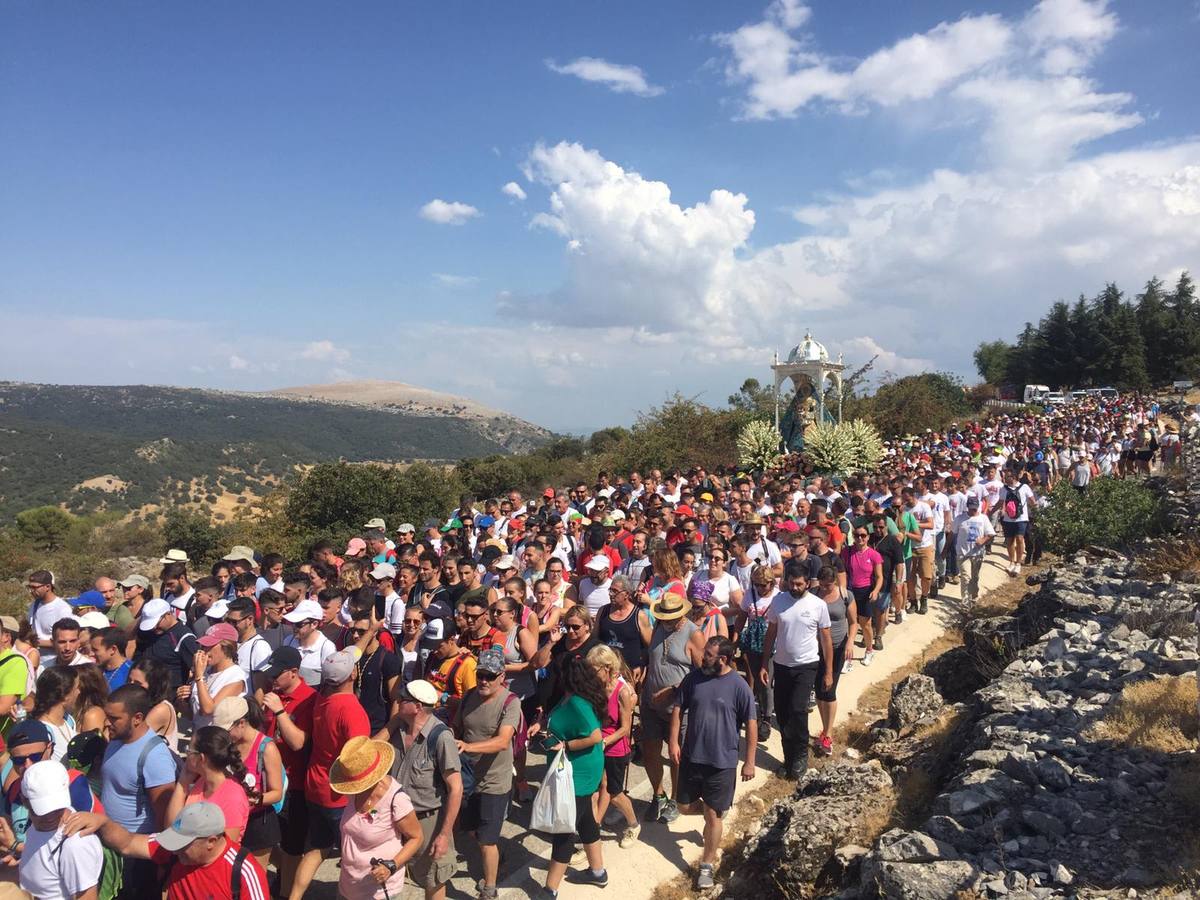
[{"x": 554, "y": 805}]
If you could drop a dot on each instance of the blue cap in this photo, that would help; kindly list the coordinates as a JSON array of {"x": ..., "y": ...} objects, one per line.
[
  {"x": 89, "y": 598},
  {"x": 30, "y": 731},
  {"x": 485, "y": 522}
]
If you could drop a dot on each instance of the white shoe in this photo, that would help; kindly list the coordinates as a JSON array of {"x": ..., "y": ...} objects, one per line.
[
  {"x": 867, "y": 657},
  {"x": 847, "y": 666}
]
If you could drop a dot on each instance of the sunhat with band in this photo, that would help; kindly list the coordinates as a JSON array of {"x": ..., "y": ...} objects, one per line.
[
  {"x": 670, "y": 606},
  {"x": 361, "y": 765}
]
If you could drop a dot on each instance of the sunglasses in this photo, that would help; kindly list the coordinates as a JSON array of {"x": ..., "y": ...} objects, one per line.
[
  {"x": 413, "y": 622},
  {"x": 576, "y": 627},
  {"x": 233, "y": 620},
  {"x": 19, "y": 761},
  {"x": 485, "y": 676},
  {"x": 473, "y": 617},
  {"x": 359, "y": 632},
  {"x": 861, "y": 534}
]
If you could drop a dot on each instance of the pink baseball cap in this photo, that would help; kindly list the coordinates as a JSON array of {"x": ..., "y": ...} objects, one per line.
[{"x": 356, "y": 546}]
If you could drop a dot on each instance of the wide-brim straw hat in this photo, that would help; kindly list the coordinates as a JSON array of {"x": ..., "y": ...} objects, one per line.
[
  {"x": 670, "y": 606},
  {"x": 361, "y": 765}
]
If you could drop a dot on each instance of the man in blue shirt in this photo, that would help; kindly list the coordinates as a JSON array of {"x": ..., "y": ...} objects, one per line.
[{"x": 137, "y": 777}]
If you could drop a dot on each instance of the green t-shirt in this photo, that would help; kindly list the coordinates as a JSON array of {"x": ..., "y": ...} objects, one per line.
[
  {"x": 121, "y": 616},
  {"x": 909, "y": 523},
  {"x": 572, "y": 719},
  {"x": 13, "y": 680}
]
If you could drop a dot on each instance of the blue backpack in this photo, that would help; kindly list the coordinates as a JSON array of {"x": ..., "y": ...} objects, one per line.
[{"x": 261, "y": 775}]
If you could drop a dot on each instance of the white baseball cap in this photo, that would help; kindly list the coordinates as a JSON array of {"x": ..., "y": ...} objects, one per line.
[
  {"x": 304, "y": 611},
  {"x": 383, "y": 570},
  {"x": 47, "y": 787},
  {"x": 153, "y": 611}
]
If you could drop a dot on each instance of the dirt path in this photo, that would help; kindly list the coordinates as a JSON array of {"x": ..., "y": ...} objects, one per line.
[{"x": 662, "y": 851}]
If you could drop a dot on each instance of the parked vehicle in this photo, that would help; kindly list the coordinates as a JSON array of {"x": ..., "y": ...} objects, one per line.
[
  {"x": 1036, "y": 393},
  {"x": 1055, "y": 398}
]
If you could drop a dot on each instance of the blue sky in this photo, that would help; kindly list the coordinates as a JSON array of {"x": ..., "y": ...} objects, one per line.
[{"x": 246, "y": 196}]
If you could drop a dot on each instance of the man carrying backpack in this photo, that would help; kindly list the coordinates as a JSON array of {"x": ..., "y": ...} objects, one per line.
[
  {"x": 200, "y": 860},
  {"x": 487, "y": 720},
  {"x": 427, "y": 765},
  {"x": 1015, "y": 500},
  {"x": 54, "y": 864},
  {"x": 137, "y": 777}
]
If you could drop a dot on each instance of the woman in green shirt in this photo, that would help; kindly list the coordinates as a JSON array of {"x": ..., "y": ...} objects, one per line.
[{"x": 576, "y": 721}]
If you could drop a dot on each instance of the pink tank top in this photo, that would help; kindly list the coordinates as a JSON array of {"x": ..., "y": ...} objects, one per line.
[{"x": 621, "y": 747}]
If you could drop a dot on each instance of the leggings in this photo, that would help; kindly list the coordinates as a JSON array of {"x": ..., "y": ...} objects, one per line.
[{"x": 563, "y": 845}]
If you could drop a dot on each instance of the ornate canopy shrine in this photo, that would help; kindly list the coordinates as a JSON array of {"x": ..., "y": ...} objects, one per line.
[{"x": 812, "y": 374}]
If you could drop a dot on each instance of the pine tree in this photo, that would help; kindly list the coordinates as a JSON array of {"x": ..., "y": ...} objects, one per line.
[
  {"x": 1054, "y": 349},
  {"x": 1155, "y": 324},
  {"x": 1087, "y": 342},
  {"x": 1183, "y": 343}
]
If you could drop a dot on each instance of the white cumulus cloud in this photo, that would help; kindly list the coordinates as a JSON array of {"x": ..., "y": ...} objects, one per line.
[
  {"x": 514, "y": 190},
  {"x": 443, "y": 212},
  {"x": 324, "y": 351},
  {"x": 622, "y": 79},
  {"x": 455, "y": 281}
]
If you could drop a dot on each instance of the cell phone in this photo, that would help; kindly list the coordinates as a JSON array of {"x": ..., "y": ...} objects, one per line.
[{"x": 380, "y": 601}]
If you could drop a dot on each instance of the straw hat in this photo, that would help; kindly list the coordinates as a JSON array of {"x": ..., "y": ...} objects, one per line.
[
  {"x": 361, "y": 765},
  {"x": 670, "y": 606}
]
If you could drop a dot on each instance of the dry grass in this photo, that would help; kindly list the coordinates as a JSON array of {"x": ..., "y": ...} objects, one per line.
[
  {"x": 1172, "y": 558},
  {"x": 1156, "y": 715}
]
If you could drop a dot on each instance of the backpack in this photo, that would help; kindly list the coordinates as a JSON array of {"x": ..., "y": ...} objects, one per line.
[
  {"x": 1013, "y": 504},
  {"x": 754, "y": 634},
  {"x": 262, "y": 773},
  {"x": 141, "y": 769},
  {"x": 466, "y": 770}
]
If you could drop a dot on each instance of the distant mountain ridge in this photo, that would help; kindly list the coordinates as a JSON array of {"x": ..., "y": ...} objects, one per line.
[{"x": 123, "y": 447}]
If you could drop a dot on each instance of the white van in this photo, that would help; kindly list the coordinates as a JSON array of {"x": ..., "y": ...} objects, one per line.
[
  {"x": 1036, "y": 393},
  {"x": 1055, "y": 398}
]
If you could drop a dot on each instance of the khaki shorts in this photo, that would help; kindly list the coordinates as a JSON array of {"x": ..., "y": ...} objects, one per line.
[
  {"x": 432, "y": 873},
  {"x": 921, "y": 565}
]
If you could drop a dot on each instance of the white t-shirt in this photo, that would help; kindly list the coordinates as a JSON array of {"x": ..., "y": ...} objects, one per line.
[
  {"x": 969, "y": 529},
  {"x": 772, "y": 555},
  {"x": 721, "y": 588},
  {"x": 312, "y": 657},
  {"x": 797, "y": 621},
  {"x": 992, "y": 493},
  {"x": 54, "y": 867},
  {"x": 216, "y": 681},
  {"x": 44, "y": 615},
  {"x": 253, "y": 654},
  {"x": 922, "y": 513},
  {"x": 594, "y": 596},
  {"x": 1026, "y": 494}
]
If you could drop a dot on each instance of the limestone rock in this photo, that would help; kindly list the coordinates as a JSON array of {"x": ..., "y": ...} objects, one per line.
[{"x": 913, "y": 699}]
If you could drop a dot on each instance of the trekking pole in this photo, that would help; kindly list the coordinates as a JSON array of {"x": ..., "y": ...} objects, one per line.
[{"x": 375, "y": 861}]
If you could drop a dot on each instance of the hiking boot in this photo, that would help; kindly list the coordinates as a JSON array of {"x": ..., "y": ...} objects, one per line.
[
  {"x": 941, "y": 582},
  {"x": 654, "y": 810},
  {"x": 704, "y": 877},
  {"x": 899, "y": 615},
  {"x": 587, "y": 876},
  {"x": 629, "y": 837},
  {"x": 764, "y": 728},
  {"x": 798, "y": 767},
  {"x": 867, "y": 657},
  {"x": 826, "y": 745},
  {"x": 878, "y": 645},
  {"x": 933, "y": 590},
  {"x": 670, "y": 812},
  {"x": 923, "y": 606}
]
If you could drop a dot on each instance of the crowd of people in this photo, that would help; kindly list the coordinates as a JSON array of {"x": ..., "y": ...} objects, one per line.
[{"x": 380, "y": 701}]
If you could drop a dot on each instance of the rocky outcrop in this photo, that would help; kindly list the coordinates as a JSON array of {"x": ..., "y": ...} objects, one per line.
[
  {"x": 1036, "y": 806},
  {"x": 794, "y": 845},
  {"x": 914, "y": 699}
]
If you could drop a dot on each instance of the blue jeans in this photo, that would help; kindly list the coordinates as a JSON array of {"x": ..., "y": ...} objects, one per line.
[{"x": 939, "y": 554}]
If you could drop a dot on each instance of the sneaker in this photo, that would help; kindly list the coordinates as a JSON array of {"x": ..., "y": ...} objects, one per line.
[
  {"x": 670, "y": 812},
  {"x": 704, "y": 877},
  {"x": 629, "y": 836},
  {"x": 587, "y": 876},
  {"x": 867, "y": 657},
  {"x": 655, "y": 809},
  {"x": 878, "y": 644},
  {"x": 952, "y": 579},
  {"x": 1017, "y": 569},
  {"x": 923, "y": 606},
  {"x": 899, "y": 615},
  {"x": 764, "y": 729},
  {"x": 826, "y": 745},
  {"x": 489, "y": 893},
  {"x": 941, "y": 582},
  {"x": 933, "y": 590},
  {"x": 847, "y": 666}
]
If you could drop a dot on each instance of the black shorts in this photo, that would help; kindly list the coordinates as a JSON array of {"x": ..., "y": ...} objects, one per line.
[
  {"x": 262, "y": 830},
  {"x": 485, "y": 814},
  {"x": 616, "y": 768},
  {"x": 293, "y": 823},
  {"x": 324, "y": 827},
  {"x": 839, "y": 658},
  {"x": 708, "y": 783}
]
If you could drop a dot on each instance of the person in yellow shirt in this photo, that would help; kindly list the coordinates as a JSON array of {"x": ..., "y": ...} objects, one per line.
[{"x": 452, "y": 669}]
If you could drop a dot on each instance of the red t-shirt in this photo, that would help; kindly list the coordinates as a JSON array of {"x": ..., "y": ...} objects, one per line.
[
  {"x": 214, "y": 880},
  {"x": 299, "y": 705},
  {"x": 335, "y": 720}
]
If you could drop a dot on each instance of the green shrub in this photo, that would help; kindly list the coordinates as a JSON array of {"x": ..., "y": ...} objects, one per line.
[{"x": 1111, "y": 513}]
